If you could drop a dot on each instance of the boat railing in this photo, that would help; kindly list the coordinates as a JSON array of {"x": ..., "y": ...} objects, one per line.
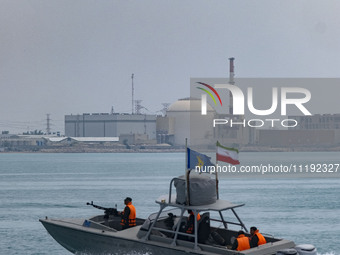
[
  {"x": 176, "y": 231},
  {"x": 173, "y": 232},
  {"x": 170, "y": 188},
  {"x": 227, "y": 222}
]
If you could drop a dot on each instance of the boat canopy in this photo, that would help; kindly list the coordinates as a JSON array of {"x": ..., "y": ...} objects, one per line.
[{"x": 219, "y": 205}]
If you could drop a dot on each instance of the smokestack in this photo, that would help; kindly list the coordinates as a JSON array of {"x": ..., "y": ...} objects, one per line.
[
  {"x": 231, "y": 70},
  {"x": 232, "y": 82}
]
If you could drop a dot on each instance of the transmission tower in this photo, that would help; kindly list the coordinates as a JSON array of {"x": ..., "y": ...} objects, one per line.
[
  {"x": 138, "y": 106},
  {"x": 165, "y": 108}
]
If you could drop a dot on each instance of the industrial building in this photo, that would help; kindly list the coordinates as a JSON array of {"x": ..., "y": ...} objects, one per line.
[
  {"x": 318, "y": 130},
  {"x": 185, "y": 113},
  {"x": 299, "y": 138},
  {"x": 110, "y": 125},
  {"x": 317, "y": 121},
  {"x": 183, "y": 120}
]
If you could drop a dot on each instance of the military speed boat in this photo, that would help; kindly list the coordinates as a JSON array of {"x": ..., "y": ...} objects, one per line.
[{"x": 162, "y": 232}]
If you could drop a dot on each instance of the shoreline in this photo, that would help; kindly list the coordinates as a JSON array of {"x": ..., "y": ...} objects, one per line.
[{"x": 151, "y": 149}]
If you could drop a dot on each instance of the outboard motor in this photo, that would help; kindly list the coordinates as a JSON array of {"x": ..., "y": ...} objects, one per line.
[
  {"x": 306, "y": 249},
  {"x": 287, "y": 252}
]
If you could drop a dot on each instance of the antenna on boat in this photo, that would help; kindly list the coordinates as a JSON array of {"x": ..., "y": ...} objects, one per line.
[
  {"x": 187, "y": 173},
  {"x": 216, "y": 177}
]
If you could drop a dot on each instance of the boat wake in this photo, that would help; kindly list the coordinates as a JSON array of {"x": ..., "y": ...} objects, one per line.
[{"x": 329, "y": 253}]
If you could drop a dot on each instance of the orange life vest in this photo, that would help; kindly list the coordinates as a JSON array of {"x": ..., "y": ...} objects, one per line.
[
  {"x": 132, "y": 216},
  {"x": 261, "y": 238},
  {"x": 243, "y": 243},
  {"x": 190, "y": 229}
]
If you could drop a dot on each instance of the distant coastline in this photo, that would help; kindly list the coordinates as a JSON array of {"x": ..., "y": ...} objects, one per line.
[{"x": 101, "y": 148}]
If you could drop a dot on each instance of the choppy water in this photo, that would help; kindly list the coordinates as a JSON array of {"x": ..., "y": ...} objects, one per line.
[{"x": 33, "y": 186}]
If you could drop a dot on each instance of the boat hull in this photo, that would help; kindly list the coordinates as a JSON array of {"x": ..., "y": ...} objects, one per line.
[
  {"x": 78, "y": 237},
  {"x": 77, "y": 240}
]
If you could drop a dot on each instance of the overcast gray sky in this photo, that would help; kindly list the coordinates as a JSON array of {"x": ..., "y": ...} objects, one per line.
[{"x": 62, "y": 57}]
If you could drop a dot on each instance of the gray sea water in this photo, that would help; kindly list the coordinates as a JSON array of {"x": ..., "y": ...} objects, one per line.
[{"x": 33, "y": 186}]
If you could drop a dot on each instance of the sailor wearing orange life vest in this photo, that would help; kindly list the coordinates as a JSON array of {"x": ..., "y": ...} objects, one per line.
[
  {"x": 256, "y": 238},
  {"x": 191, "y": 222},
  {"x": 241, "y": 243},
  {"x": 128, "y": 215}
]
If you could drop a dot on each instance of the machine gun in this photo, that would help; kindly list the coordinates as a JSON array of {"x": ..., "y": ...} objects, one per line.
[{"x": 107, "y": 211}]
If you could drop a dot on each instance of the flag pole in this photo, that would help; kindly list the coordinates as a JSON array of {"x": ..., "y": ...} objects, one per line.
[
  {"x": 216, "y": 177},
  {"x": 186, "y": 154},
  {"x": 187, "y": 172}
]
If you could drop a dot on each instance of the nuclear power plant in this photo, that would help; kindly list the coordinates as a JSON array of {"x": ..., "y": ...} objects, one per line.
[
  {"x": 183, "y": 120},
  {"x": 173, "y": 127}
]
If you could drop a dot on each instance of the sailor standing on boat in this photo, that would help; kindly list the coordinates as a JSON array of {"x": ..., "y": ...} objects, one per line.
[
  {"x": 128, "y": 215},
  {"x": 256, "y": 238}
]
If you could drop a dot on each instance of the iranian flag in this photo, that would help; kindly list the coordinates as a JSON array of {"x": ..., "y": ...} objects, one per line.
[{"x": 225, "y": 154}]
